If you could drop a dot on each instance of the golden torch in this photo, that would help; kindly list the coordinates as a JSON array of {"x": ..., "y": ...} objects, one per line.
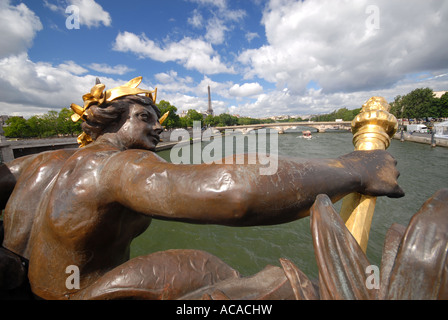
[{"x": 372, "y": 129}]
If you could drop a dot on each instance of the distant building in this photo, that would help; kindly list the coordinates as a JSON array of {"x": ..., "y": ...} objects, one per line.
[
  {"x": 3, "y": 120},
  {"x": 439, "y": 94}
]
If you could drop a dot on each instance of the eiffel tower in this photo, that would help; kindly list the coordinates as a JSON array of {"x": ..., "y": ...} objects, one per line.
[{"x": 209, "y": 110}]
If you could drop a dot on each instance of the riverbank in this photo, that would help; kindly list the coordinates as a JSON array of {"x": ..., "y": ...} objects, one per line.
[{"x": 421, "y": 138}]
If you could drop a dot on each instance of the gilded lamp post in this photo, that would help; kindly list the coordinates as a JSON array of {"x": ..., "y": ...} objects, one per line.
[{"x": 372, "y": 129}]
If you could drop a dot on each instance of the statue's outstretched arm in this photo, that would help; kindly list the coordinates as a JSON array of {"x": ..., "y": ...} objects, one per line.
[{"x": 238, "y": 195}]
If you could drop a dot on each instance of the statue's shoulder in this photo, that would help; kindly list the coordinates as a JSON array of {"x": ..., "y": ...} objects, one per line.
[
  {"x": 139, "y": 155},
  {"x": 53, "y": 160}
]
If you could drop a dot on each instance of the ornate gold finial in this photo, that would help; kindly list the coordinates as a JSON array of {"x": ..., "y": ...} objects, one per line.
[
  {"x": 98, "y": 96},
  {"x": 372, "y": 129}
]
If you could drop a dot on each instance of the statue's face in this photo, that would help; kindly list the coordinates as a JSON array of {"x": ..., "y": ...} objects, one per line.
[{"x": 141, "y": 129}]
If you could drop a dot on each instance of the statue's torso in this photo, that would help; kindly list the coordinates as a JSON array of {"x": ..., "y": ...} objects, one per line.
[{"x": 60, "y": 214}]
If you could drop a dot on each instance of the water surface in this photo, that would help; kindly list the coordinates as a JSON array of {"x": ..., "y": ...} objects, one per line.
[{"x": 424, "y": 170}]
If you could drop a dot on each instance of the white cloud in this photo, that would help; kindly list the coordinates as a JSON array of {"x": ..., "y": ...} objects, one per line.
[
  {"x": 193, "y": 54},
  {"x": 327, "y": 42},
  {"x": 222, "y": 19},
  {"x": 104, "y": 68},
  {"x": 216, "y": 30},
  {"x": 196, "y": 20},
  {"x": 170, "y": 82},
  {"x": 222, "y": 4},
  {"x": 35, "y": 86},
  {"x": 321, "y": 51},
  {"x": 18, "y": 25},
  {"x": 72, "y": 67},
  {"x": 246, "y": 90},
  {"x": 251, "y": 36},
  {"x": 185, "y": 93},
  {"x": 278, "y": 102},
  {"x": 91, "y": 14},
  {"x": 53, "y": 7}
]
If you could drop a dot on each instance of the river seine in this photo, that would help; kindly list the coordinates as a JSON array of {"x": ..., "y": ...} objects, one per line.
[{"x": 424, "y": 170}]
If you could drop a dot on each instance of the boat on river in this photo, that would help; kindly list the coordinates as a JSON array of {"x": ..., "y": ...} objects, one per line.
[{"x": 306, "y": 134}]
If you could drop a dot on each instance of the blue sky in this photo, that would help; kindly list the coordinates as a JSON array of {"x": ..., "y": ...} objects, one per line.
[{"x": 260, "y": 57}]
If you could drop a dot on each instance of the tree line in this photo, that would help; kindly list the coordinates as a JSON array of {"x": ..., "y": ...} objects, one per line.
[
  {"x": 419, "y": 104},
  {"x": 55, "y": 123},
  {"x": 51, "y": 124},
  {"x": 222, "y": 120},
  {"x": 343, "y": 113}
]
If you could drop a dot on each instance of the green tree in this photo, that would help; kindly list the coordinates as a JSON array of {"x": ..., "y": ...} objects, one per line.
[
  {"x": 396, "y": 107},
  {"x": 65, "y": 125},
  {"x": 173, "y": 120},
  {"x": 343, "y": 113},
  {"x": 442, "y": 106},
  {"x": 419, "y": 103},
  {"x": 50, "y": 124},
  {"x": 247, "y": 121},
  {"x": 211, "y": 121},
  {"x": 35, "y": 126},
  {"x": 192, "y": 115},
  {"x": 16, "y": 127},
  {"x": 226, "y": 119}
]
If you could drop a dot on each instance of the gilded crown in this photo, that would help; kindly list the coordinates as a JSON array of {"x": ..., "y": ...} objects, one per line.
[{"x": 97, "y": 96}]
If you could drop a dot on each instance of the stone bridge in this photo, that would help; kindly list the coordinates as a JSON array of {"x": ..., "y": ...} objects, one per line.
[{"x": 281, "y": 127}]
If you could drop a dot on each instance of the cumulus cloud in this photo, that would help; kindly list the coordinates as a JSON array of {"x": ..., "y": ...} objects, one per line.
[
  {"x": 193, "y": 54},
  {"x": 171, "y": 82},
  {"x": 222, "y": 19},
  {"x": 328, "y": 42},
  {"x": 40, "y": 86},
  {"x": 196, "y": 20},
  {"x": 216, "y": 31},
  {"x": 246, "y": 90},
  {"x": 72, "y": 67},
  {"x": 105, "y": 68},
  {"x": 185, "y": 93},
  {"x": 18, "y": 25},
  {"x": 313, "y": 102},
  {"x": 251, "y": 36},
  {"x": 323, "y": 51},
  {"x": 91, "y": 14},
  {"x": 222, "y": 4}
]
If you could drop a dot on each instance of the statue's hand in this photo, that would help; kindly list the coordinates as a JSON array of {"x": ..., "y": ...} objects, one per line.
[{"x": 378, "y": 172}]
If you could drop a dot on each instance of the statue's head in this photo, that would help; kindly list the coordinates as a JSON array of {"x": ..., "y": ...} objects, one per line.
[{"x": 127, "y": 111}]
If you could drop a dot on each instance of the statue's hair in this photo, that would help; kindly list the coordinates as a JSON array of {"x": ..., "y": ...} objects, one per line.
[{"x": 99, "y": 118}]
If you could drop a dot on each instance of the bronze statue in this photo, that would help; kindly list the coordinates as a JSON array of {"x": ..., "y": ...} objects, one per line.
[{"x": 83, "y": 207}]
